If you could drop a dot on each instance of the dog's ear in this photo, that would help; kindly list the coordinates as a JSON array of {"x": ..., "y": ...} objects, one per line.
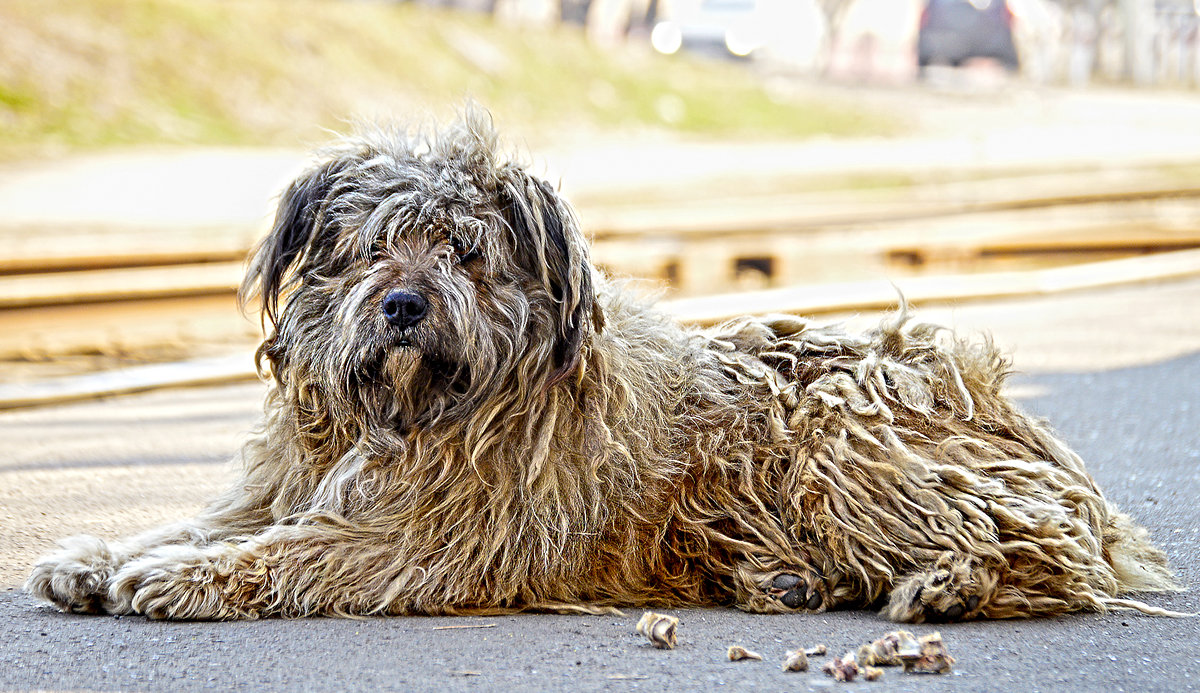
[
  {"x": 548, "y": 234},
  {"x": 283, "y": 248}
]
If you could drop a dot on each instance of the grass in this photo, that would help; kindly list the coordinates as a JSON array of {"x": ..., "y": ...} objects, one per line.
[{"x": 81, "y": 74}]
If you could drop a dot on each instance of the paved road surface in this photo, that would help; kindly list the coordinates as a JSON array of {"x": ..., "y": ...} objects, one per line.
[{"x": 1117, "y": 371}]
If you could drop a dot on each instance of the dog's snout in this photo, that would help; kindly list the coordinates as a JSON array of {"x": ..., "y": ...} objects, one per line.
[{"x": 404, "y": 308}]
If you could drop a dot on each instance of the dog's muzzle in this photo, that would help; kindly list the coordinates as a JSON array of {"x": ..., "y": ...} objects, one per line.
[{"x": 404, "y": 309}]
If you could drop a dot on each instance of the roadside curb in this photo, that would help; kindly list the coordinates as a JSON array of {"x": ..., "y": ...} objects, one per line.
[
  {"x": 709, "y": 310},
  {"x": 849, "y": 296}
]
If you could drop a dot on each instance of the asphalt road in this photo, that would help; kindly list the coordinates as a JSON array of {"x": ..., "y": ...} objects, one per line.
[{"x": 1118, "y": 372}]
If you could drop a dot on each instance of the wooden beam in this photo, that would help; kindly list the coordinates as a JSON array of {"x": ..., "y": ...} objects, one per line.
[{"x": 58, "y": 288}]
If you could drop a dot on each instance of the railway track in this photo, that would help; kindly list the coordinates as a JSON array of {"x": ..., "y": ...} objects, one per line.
[{"x": 119, "y": 291}]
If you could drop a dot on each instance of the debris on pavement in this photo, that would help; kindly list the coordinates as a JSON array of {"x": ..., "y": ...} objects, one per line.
[
  {"x": 842, "y": 668},
  {"x": 890, "y": 651},
  {"x": 927, "y": 655},
  {"x": 659, "y": 628},
  {"x": 795, "y": 660},
  {"x": 933, "y": 659},
  {"x": 737, "y": 653}
]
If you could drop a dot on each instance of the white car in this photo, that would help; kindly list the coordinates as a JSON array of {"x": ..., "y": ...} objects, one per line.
[{"x": 793, "y": 33}]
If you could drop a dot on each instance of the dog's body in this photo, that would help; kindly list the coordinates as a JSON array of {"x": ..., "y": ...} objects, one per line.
[{"x": 467, "y": 418}]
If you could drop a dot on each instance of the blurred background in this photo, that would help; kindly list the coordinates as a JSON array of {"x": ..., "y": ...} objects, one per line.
[{"x": 731, "y": 155}]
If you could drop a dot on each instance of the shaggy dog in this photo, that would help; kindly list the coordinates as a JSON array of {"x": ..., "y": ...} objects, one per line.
[{"x": 467, "y": 418}]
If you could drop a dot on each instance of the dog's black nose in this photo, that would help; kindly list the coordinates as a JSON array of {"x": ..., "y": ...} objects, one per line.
[{"x": 404, "y": 308}]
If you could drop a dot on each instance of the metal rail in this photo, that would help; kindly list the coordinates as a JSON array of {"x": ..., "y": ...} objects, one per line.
[{"x": 139, "y": 291}]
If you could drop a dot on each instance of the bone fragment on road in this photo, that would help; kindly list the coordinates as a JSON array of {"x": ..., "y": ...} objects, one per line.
[
  {"x": 842, "y": 668},
  {"x": 659, "y": 628},
  {"x": 891, "y": 650},
  {"x": 795, "y": 660},
  {"x": 934, "y": 657},
  {"x": 738, "y": 653}
]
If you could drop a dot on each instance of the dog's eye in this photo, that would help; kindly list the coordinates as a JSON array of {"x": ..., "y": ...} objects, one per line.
[{"x": 465, "y": 254}]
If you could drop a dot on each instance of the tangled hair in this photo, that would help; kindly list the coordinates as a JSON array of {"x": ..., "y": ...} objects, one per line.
[
  {"x": 353, "y": 220},
  {"x": 467, "y": 418}
]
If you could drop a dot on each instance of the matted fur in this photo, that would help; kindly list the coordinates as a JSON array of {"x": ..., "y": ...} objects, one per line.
[{"x": 543, "y": 440}]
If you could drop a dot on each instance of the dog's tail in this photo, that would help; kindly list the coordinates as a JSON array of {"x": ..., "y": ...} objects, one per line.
[{"x": 1138, "y": 565}]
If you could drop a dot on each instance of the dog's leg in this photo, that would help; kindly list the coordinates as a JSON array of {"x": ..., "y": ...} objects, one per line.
[
  {"x": 954, "y": 589},
  {"x": 76, "y": 577},
  {"x": 287, "y": 570}
]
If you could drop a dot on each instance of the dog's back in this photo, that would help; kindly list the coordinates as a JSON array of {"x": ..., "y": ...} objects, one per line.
[{"x": 913, "y": 478}]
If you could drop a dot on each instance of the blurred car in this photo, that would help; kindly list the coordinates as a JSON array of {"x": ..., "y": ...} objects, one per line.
[
  {"x": 787, "y": 32},
  {"x": 875, "y": 41},
  {"x": 954, "y": 31}
]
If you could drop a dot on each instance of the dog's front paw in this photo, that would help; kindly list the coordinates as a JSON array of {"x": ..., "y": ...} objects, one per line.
[
  {"x": 76, "y": 577},
  {"x": 173, "y": 582}
]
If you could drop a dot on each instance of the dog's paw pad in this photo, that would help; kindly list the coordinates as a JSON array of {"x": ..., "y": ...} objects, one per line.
[
  {"x": 786, "y": 581},
  {"x": 954, "y": 612},
  {"x": 793, "y": 598},
  {"x": 795, "y": 592},
  {"x": 950, "y": 613}
]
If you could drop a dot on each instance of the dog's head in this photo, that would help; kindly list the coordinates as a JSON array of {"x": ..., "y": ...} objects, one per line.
[{"x": 418, "y": 279}]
